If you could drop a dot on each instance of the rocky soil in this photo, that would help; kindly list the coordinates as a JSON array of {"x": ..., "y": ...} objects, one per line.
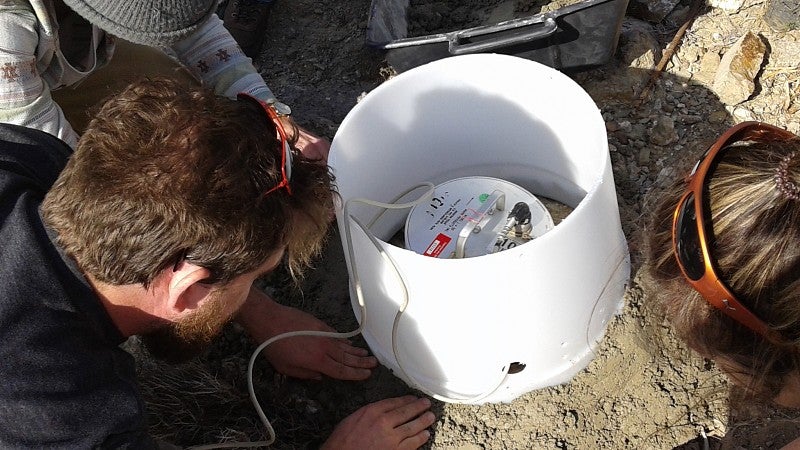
[{"x": 644, "y": 389}]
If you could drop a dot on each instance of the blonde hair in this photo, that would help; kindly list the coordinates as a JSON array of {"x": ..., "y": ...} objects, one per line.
[{"x": 755, "y": 229}]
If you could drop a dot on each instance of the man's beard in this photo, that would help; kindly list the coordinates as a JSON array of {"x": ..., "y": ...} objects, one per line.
[{"x": 179, "y": 342}]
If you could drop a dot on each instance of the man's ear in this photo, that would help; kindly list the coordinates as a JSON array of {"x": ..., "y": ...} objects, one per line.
[{"x": 184, "y": 291}]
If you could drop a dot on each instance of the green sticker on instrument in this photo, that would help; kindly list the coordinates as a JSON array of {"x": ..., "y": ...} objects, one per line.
[{"x": 482, "y": 198}]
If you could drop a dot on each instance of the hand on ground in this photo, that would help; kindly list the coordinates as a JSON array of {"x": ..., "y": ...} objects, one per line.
[
  {"x": 307, "y": 357},
  {"x": 394, "y": 423}
]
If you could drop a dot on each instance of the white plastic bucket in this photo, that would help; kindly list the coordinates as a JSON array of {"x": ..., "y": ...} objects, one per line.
[{"x": 492, "y": 327}]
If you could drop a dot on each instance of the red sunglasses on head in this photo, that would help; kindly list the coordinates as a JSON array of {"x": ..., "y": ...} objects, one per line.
[
  {"x": 286, "y": 156},
  {"x": 690, "y": 232}
]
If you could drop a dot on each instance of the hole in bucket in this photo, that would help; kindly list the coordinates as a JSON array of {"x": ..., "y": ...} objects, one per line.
[{"x": 516, "y": 367}]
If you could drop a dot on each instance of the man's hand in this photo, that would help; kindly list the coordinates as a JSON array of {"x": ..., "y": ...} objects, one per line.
[
  {"x": 394, "y": 423},
  {"x": 303, "y": 356},
  {"x": 310, "y": 145},
  {"x": 313, "y": 147}
]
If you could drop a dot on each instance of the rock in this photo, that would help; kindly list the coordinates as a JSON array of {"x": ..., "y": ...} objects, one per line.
[
  {"x": 612, "y": 126},
  {"x": 727, "y": 5},
  {"x": 638, "y": 45},
  {"x": 663, "y": 131},
  {"x": 784, "y": 50},
  {"x": 718, "y": 116},
  {"x": 734, "y": 81},
  {"x": 678, "y": 16},
  {"x": 651, "y": 10},
  {"x": 783, "y": 15},
  {"x": 644, "y": 155},
  {"x": 709, "y": 63},
  {"x": 742, "y": 114},
  {"x": 639, "y": 52}
]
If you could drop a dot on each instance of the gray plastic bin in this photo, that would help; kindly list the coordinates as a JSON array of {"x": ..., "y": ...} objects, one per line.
[{"x": 572, "y": 38}]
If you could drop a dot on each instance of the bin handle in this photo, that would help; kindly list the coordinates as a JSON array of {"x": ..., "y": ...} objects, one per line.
[
  {"x": 495, "y": 202},
  {"x": 455, "y": 47}
]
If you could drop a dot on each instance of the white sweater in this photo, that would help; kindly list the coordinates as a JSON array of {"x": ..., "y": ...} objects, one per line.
[{"x": 32, "y": 63}]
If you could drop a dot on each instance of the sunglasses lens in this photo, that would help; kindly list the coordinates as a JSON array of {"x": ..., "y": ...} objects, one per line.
[
  {"x": 689, "y": 253},
  {"x": 287, "y": 155}
]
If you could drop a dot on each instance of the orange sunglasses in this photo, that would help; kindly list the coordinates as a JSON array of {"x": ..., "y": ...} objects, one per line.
[
  {"x": 286, "y": 156},
  {"x": 690, "y": 232}
]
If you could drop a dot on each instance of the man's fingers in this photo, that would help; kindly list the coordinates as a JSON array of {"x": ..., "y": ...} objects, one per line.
[
  {"x": 313, "y": 147},
  {"x": 358, "y": 351},
  {"x": 416, "y": 441},
  {"x": 413, "y": 427},
  {"x": 415, "y": 419},
  {"x": 346, "y": 362},
  {"x": 357, "y": 357},
  {"x": 341, "y": 371},
  {"x": 396, "y": 423},
  {"x": 392, "y": 404},
  {"x": 406, "y": 410}
]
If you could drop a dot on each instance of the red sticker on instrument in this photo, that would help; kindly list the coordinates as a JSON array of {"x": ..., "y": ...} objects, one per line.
[{"x": 437, "y": 246}]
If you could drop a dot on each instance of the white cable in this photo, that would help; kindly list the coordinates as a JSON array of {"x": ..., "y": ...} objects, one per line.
[{"x": 271, "y": 431}]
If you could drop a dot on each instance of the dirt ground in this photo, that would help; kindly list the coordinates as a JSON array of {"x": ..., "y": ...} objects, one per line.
[{"x": 644, "y": 388}]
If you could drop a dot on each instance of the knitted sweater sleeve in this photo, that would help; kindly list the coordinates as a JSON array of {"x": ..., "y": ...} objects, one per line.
[
  {"x": 24, "y": 96},
  {"x": 213, "y": 57}
]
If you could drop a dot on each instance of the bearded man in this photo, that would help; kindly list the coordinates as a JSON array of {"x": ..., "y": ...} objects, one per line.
[{"x": 174, "y": 202}]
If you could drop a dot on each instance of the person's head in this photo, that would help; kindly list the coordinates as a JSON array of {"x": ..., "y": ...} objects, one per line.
[
  {"x": 749, "y": 201},
  {"x": 168, "y": 179},
  {"x": 157, "y": 23}
]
